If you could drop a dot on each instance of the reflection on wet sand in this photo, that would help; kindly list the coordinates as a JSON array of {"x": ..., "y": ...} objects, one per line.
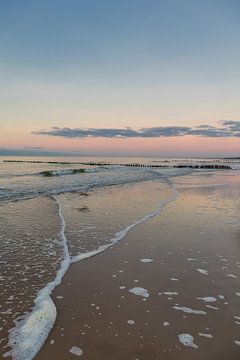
[{"x": 169, "y": 290}]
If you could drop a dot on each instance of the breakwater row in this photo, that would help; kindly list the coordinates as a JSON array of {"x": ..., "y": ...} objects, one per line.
[{"x": 183, "y": 166}]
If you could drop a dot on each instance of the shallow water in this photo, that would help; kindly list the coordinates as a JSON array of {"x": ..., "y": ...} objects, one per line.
[
  {"x": 183, "y": 304},
  {"x": 30, "y": 253},
  {"x": 93, "y": 220},
  {"x": 26, "y": 179},
  {"x": 87, "y": 211},
  {"x": 32, "y": 247}
]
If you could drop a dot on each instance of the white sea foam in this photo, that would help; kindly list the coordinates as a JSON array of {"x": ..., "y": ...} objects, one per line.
[
  {"x": 190, "y": 259},
  {"x": 121, "y": 234},
  {"x": 139, "y": 291},
  {"x": 170, "y": 293},
  {"x": 203, "y": 271},
  {"x": 189, "y": 310},
  {"x": 187, "y": 340},
  {"x": 29, "y": 334},
  {"x": 75, "y": 350},
  {"x": 207, "y": 298},
  {"x": 94, "y": 178},
  {"x": 212, "y": 307},
  {"x": 146, "y": 260},
  {"x": 232, "y": 276},
  {"x": 209, "y": 336}
]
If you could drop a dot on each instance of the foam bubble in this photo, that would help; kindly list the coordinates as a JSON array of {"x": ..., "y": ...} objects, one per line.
[
  {"x": 75, "y": 350},
  {"x": 212, "y": 307},
  {"x": 139, "y": 291},
  {"x": 207, "y": 298},
  {"x": 30, "y": 334},
  {"x": 146, "y": 260},
  {"x": 187, "y": 340},
  {"x": 209, "y": 336},
  {"x": 189, "y": 310},
  {"x": 203, "y": 271},
  {"x": 170, "y": 293}
]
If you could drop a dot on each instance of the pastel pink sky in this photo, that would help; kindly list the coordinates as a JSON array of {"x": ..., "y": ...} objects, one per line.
[
  {"x": 163, "y": 146},
  {"x": 119, "y": 64},
  {"x": 30, "y": 104}
]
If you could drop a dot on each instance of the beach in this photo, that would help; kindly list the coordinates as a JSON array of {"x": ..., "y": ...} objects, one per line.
[
  {"x": 119, "y": 180},
  {"x": 187, "y": 259},
  {"x": 141, "y": 270}
]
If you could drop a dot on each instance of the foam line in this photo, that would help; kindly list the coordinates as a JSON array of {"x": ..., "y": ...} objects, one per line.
[
  {"x": 29, "y": 334},
  {"x": 121, "y": 234}
]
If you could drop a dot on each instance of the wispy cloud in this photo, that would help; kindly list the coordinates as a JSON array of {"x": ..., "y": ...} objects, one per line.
[
  {"x": 33, "y": 148},
  {"x": 227, "y": 128}
]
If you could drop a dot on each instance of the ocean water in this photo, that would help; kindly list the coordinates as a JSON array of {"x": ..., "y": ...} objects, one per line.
[{"x": 53, "y": 213}]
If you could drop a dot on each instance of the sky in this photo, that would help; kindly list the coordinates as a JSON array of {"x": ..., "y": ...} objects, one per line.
[{"x": 129, "y": 77}]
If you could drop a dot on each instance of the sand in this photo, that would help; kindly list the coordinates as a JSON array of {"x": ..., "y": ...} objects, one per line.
[{"x": 99, "y": 318}]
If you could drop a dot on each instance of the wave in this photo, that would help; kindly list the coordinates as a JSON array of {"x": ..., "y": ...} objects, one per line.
[
  {"x": 99, "y": 166},
  {"x": 29, "y": 334},
  {"x": 84, "y": 179},
  {"x": 50, "y": 173},
  {"x": 93, "y": 179}
]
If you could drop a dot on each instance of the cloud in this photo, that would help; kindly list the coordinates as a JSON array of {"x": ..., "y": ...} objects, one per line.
[
  {"x": 115, "y": 133},
  {"x": 231, "y": 125},
  {"x": 227, "y": 128},
  {"x": 33, "y": 147},
  {"x": 205, "y": 127}
]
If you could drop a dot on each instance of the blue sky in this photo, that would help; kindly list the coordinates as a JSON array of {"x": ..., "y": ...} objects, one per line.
[{"x": 116, "y": 64}]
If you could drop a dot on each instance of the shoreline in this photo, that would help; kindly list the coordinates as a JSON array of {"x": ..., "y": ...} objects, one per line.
[
  {"x": 204, "y": 221},
  {"x": 98, "y": 313},
  {"x": 35, "y": 321}
]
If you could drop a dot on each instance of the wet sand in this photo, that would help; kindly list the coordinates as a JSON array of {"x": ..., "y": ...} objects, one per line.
[
  {"x": 195, "y": 247},
  {"x": 30, "y": 253}
]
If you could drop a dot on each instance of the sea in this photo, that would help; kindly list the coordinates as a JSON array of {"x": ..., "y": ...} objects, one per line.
[{"x": 52, "y": 214}]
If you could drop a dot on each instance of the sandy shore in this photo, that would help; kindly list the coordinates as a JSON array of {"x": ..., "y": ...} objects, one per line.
[{"x": 192, "y": 278}]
